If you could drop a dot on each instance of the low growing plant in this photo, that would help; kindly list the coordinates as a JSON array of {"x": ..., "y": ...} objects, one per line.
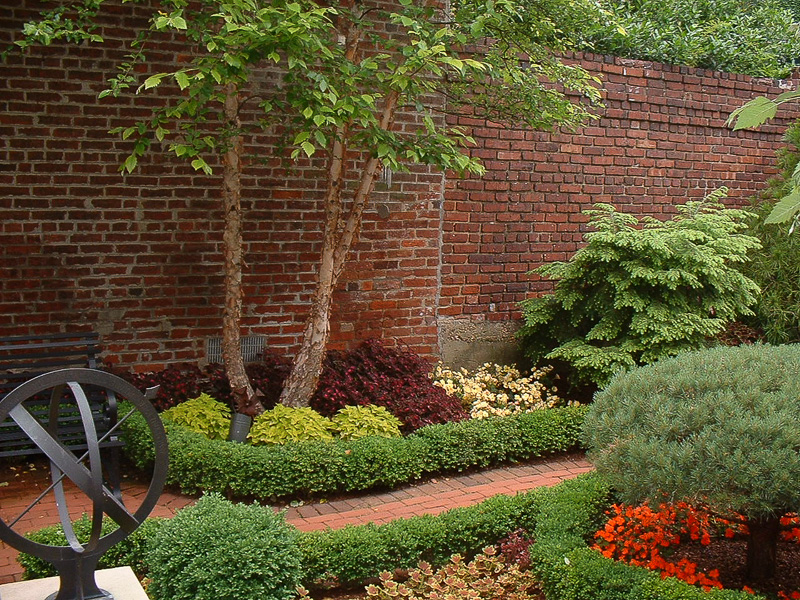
[
  {"x": 497, "y": 390},
  {"x": 486, "y": 577},
  {"x": 395, "y": 379},
  {"x": 204, "y": 415},
  {"x": 285, "y": 424},
  {"x": 353, "y": 422},
  {"x": 642, "y": 290},
  {"x": 266, "y": 376},
  {"x": 175, "y": 384},
  {"x": 640, "y": 535}
]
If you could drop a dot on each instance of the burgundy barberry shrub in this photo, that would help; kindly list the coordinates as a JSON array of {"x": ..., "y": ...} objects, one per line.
[
  {"x": 395, "y": 379},
  {"x": 176, "y": 384}
]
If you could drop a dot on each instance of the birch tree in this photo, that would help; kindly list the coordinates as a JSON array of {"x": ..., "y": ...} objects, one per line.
[{"x": 331, "y": 79}]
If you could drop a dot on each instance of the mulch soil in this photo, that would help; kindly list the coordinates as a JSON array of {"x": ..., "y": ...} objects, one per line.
[{"x": 729, "y": 557}]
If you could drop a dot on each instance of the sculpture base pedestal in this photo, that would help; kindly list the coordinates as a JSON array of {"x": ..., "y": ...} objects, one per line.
[{"x": 120, "y": 582}]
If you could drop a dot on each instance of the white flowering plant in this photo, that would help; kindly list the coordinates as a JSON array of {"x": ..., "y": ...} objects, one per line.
[{"x": 497, "y": 390}]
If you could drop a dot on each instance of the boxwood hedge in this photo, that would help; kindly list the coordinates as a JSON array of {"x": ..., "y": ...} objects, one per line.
[{"x": 303, "y": 468}]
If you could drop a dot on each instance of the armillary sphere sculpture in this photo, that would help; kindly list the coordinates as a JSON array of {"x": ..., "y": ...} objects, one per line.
[{"x": 76, "y": 562}]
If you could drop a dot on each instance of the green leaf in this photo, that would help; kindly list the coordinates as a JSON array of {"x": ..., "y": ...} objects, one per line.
[
  {"x": 200, "y": 164},
  {"x": 754, "y": 113},
  {"x": 182, "y": 79},
  {"x": 130, "y": 163},
  {"x": 179, "y": 23},
  {"x": 308, "y": 148},
  {"x": 787, "y": 208},
  {"x": 153, "y": 81}
]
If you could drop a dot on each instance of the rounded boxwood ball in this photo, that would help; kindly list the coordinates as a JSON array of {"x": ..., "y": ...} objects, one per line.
[{"x": 218, "y": 550}]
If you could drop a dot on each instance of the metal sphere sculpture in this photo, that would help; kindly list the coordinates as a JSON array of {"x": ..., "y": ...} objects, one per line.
[{"x": 76, "y": 562}]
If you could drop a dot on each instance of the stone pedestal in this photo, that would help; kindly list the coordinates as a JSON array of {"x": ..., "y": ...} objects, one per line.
[{"x": 120, "y": 582}]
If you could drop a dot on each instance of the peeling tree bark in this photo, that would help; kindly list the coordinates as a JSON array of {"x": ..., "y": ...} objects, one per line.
[
  {"x": 338, "y": 239},
  {"x": 244, "y": 397}
]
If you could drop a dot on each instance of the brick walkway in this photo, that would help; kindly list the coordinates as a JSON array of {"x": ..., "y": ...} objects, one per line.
[{"x": 20, "y": 486}]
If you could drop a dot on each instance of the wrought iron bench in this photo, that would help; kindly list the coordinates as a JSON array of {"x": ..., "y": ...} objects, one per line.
[{"x": 25, "y": 357}]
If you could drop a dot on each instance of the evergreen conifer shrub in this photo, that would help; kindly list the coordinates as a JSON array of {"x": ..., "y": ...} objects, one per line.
[
  {"x": 716, "y": 427},
  {"x": 642, "y": 289}
]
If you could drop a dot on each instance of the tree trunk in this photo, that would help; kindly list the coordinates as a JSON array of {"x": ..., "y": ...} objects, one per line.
[
  {"x": 338, "y": 239},
  {"x": 762, "y": 548},
  {"x": 302, "y": 381},
  {"x": 244, "y": 398}
]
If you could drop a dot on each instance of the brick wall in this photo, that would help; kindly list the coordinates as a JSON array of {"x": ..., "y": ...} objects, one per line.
[
  {"x": 661, "y": 140},
  {"x": 138, "y": 257}
]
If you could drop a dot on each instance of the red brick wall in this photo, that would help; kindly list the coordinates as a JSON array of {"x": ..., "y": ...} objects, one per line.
[
  {"x": 138, "y": 257},
  {"x": 661, "y": 140}
]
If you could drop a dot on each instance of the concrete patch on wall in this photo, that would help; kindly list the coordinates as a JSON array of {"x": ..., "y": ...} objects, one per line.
[{"x": 469, "y": 343}]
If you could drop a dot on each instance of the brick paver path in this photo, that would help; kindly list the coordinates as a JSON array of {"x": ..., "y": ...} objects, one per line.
[{"x": 20, "y": 486}]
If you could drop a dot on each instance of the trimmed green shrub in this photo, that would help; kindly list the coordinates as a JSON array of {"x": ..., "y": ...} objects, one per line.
[
  {"x": 286, "y": 424},
  {"x": 301, "y": 468},
  {"x": 353, "y": 422},
  {"x": 642, "y": 290},
  {"x": 717, "y": 427},
  {"x": 204, "y": 415},
  {"x": 216, "y": 550},
  {"x": 131, "y": 551},
  {"x": 351, "y": 555}
]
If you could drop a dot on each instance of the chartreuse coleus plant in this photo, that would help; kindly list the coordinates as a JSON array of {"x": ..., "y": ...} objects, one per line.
[
  {"x": 330, "y": 80},
  {"x": 642, "y": 289},
  {"x": 204, "y": 415},
  {"x": 353, "y": 422}
]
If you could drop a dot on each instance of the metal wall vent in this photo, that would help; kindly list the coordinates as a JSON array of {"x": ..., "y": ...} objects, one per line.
[{"x": 252, "y": 348}]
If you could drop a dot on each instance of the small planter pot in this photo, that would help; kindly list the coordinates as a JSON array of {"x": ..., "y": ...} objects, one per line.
[{"x": 240, "y": 427}]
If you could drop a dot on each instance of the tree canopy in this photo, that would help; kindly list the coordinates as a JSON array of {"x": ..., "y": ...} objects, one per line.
[{"x": 753, "y": 37}]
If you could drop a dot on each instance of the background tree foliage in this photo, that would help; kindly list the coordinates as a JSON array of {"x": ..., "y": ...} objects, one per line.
[
  {"x": 755, "y": 37},
  {"x": 776, "y": 267}
]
